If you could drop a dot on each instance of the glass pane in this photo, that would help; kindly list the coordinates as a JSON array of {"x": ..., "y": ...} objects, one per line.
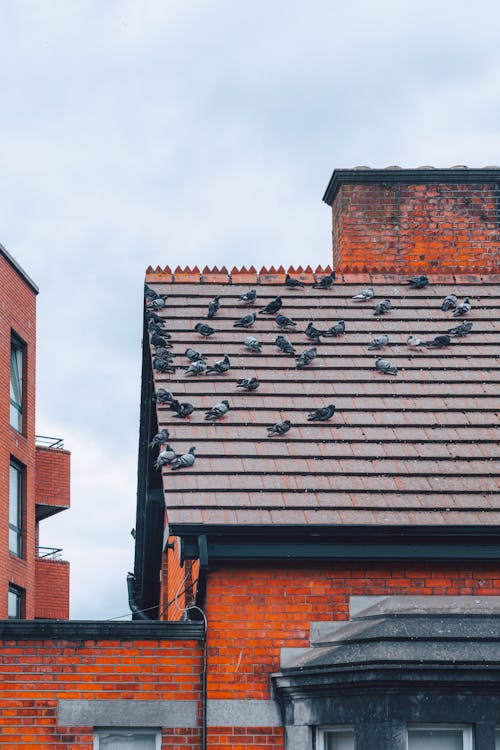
[
  {"x": 14, "y": 604},
  {"x": 435, "y": 739},
  {"x": 16, "y": 386},
  {"x": 15, "y": 510},
  {"x": 127, "y": 740},
  {"x": 341, "y": 740},
  {"x": 497, "y": 739}
]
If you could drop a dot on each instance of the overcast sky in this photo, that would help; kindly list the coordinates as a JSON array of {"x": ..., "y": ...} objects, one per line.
[{"x": 198, "y": 132}]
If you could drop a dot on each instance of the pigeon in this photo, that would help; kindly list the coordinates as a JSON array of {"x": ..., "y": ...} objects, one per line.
[
  {"x": 162, "y": 364},
  {"x": 249, "y": 384},
  {"x": 196, "y": 368},
  {"x": 163, "y": 397},
  {"x": 306, "y": 357},
  {"x": 158, "y": 302},
  {"x": 418, "y": 282},
  {"x": 183, "y": 409},
  {"x": 160, "y": 438},
  {"x": 449, "y": 302},
  {"x": 249, "y": 297},
  {"x": 462, "y": 330},
  {"x": 336, "y": 330},
  {"x": 285, "y": 345},
  {"x": 272, "y": 307},
  {"x": 165, "y": 457},
  {"x": 379, "y": 341},
  {"x": 193, "y": 355},
  {"x": 313, "y": 333},
  {"x": 152, "y": 315},
  {"x": 155, "y": 327},
  {"x": 382, "y": 307},
  {"x": 326, "y": 282},
  {"x": 438, "y": 342},
  {"x": 158, "y": 340},
  {"x": 204, "y": 330},
  {"x": 213, "y": 306},
  {"x": 252, "y": 344},
  {"x": 364, "y": 294},
  {"x": 413, "y": 341},
  {"x": 149, "y": 293},
  {"x": 463, "y": 308},
  {"x": 321, "y": 414},
  {"x": 221, "y": 366},
  {"x": 246, "y": 321},
  {"x": 293, "y": 283},
  {"x": 186, "y": 460},
  {"x": 283, "y": 322},
  {"x": 382, "y": 365},
  {"x": 280, "y": 428},
  {"x": 218, "y": 411}
]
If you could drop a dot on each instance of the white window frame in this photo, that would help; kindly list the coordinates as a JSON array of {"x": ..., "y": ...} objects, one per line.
[
  {"x": 127, "y": 731},
  {"x": 324, "y": 731},
  {"x": 468, "y": 743}
]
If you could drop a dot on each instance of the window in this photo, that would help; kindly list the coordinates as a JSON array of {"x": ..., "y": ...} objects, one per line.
[
  {"x": 497, "y": 739},
  {"x": 341, "y": 738},
  {"x": 127, "y": 739},
  {"x": 439, "y": 738},
  {"x": 16, "y": 509},
  {"x": 17, "y": 349},
  {"x": 15, "y": 610}
]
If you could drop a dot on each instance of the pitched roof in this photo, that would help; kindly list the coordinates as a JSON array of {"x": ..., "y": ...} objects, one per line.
[{"x": 417, "y": 448}]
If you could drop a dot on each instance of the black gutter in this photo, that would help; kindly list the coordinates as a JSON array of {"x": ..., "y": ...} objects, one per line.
[{"x": 397, "y": 176}]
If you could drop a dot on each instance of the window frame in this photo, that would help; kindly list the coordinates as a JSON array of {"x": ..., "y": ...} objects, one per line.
[
  {"x": 466, "y": 729},
  {"x": 17, "y": 347},
  {"x": 18, "y": 592},
  {"x": 16, "y": 526},
  {"x": 323, "y": 732},
  {"x": 99, "y": 731}
]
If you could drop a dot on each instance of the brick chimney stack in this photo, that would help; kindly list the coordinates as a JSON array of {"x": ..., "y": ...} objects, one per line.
[{"x": 416, "y": 220}]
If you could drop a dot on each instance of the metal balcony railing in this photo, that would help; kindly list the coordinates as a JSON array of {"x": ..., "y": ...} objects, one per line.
[
  {"x": 49, "y": 553},
  {"x": 49, "y": 442}
]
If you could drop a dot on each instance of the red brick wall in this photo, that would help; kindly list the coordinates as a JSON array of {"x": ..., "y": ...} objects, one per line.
[
  {"x": 178, "y": 588},
  {"x": 36, "y": 674},
  {"x": 416, "y": 228},
  {"x": 18, "y": 314},
  {"x": 52, "y": 478},
  {"x": 52, "y": 589}
]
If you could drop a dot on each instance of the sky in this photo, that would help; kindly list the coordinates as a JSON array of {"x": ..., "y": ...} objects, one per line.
[{"x": 198, "y": 132}]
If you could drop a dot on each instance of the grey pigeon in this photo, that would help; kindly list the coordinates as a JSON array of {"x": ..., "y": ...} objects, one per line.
[
  {"x": 152, "y": 315},
  {"x": 462, "y": 330},
  {"x": 449, "y": 302},
  {"x": 418, "y": 282},
  {"x": 155, "y": 327},
  {"x": 186, "y": 460},
  {"x": 252, "y": 344},
  {"x": 285, "y": 345},
  {"x": 364, "y": 295},
  {"x": 149, "y": 293},
  {"x": 218, "y": 411},
  {"x": 193, "y": 354},
  {"x": 336, "y": 330},
  {"x": 313, "y": 333},
  {"x": 196, "y": 368},
  {"x": 249, "y": 384},
  {"x": 306, "y": 357},
  {"x": 283, "y": 322},
  {"x": 163, "y": 396},
  {"x": 414, "y": 342},
  {"x": 280, "y": 428},
  {"x": 292, "y": 283},
  {"x": 382, "y": 365},
  {"x": 183, "y": 409},
  {"x": 158, "y": 340},
  {"x": 322, "y": 414},
  {"x": 246, "y": 321},
  {"x": 165, "y": 457},
  {"x": 158, "y": 302},
  {"x": 379, "y": 341},
  {"x": 213, "y": 306},
  {"x": 272, "y": 307},
  {"x": 163, "y": 364},
  {"x": 463, "y": 308},
  {"x": 326, "y": 282},
  {"x": 160, "y": 438},
  {"x": 438, "y": 342},
  {"x": 221, "y": 366},
  {"x": 204, "y": 330},
  {"x": 249, "y": 297},
  {"x": 382, "y": 307}
]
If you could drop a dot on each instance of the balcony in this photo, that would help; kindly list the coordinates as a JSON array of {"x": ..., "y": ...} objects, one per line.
[{"x": 52, "y": 476}]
